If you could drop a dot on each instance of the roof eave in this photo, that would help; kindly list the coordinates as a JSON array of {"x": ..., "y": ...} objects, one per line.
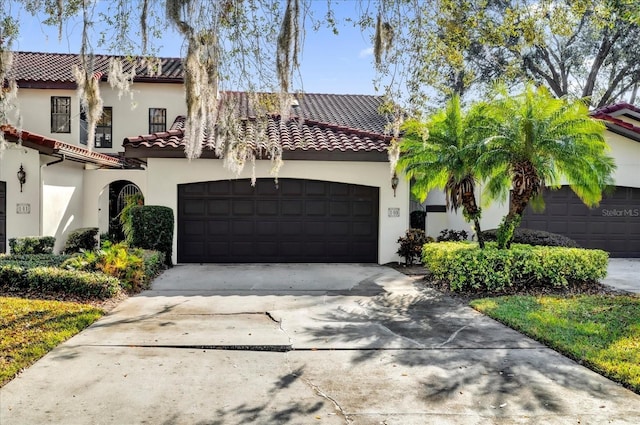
[{"x": 294, "y": 155}]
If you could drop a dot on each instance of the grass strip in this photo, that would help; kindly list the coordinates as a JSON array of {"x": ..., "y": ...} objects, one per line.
[
  {"x": 601, "y": 332},
  {"x": 31, "y": 328}
]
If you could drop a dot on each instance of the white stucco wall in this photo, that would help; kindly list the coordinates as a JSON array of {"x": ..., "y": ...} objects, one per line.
[
  {"x": 62, "y": 199},
  {"x": 165, "y": 174},
  {"x": 626, "y": 153},
  {"x": 96, "y": 196},
  {"x": 130, "y": 117},
  {"x": 23, "y": 208},
  {"x": 35, "y": 109}
]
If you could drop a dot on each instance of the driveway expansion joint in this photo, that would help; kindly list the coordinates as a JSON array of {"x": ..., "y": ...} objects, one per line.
[{"x": 286, "y": 348}]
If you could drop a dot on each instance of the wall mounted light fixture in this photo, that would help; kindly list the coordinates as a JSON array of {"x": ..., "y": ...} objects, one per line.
[
  {"x": 394, "y": 183},
  {"x": 22, "y": 176}
]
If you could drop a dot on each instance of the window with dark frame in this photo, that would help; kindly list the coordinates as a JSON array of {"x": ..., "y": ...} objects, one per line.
[
  {"x": 157, "y": 120},
  {"x": 104, "y": 128},
  {"x": 60, "y": 114}
]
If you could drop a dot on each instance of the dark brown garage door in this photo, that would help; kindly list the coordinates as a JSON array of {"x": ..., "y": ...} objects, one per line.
[
  {"x": 614, "y": 226},
  {"x": 297, "y": 221}
]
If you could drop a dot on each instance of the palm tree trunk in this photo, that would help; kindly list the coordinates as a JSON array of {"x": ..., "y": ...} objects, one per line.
[
  {"x": 472, "y": 213},
  {"x": 476, "y": 226}
]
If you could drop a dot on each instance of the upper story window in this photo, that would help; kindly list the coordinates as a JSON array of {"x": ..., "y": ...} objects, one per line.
[
  {"x": 157, "y": 120},
  {"x": 104, "y": 128},
  {"x": 60, "y": 114}
]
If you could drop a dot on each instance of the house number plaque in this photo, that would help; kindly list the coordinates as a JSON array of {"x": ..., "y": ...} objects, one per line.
[
  {"x": 394, "y": 212},
  {"x": 23, "y": 208}
]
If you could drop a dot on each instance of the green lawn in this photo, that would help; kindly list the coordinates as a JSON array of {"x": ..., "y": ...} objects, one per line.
[
  {"x": 31, "y": 328},
  {"x": 601, "y": 331}
]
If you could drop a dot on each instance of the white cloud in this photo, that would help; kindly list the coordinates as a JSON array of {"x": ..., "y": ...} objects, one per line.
[{"x": 366, "y": 52}]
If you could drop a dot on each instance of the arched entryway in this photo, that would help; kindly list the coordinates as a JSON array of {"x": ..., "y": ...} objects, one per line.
[{"x": 117, "y": 194}]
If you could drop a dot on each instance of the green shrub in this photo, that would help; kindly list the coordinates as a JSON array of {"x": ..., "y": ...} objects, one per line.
[
  {"x": 29, "y": 261},
  {"x": 133, "y": 267},
  {"x": 534, "y": 237},
  {"x": 466, "y": 267},
  {"x": 81, "y": 239},
  {"x": 152, "y": 228},
  {"x": 450, "y": 235},
  {"x": 125, "y": 218},
  {"x": 53, "y": 279},
  {"x": 153, "y": 264},
  {"x": 32, "y": 245},
  {"x": 411, "y": 245}
]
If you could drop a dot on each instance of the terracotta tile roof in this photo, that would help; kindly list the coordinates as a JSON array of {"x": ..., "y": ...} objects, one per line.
[
  {"x": 610, "y": 115},
  {"x": 56, "y": 67},
  {"x": 310, "y": 136},
  {"x": 50, "y": 146},
  {"x": 358, "y": 112},
  {"x": 330, "y": 123}
]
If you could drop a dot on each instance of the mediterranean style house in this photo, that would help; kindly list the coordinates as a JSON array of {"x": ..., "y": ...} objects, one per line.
[{"x": 335, "y": 199}]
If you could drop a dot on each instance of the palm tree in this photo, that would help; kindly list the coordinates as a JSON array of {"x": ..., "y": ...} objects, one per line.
[
  {"x": 538, "y": 141},
  {"x": 441, "y": 154}
]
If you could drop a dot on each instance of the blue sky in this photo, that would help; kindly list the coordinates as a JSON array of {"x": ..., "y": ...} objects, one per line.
[{"x": 341, "y": 64}]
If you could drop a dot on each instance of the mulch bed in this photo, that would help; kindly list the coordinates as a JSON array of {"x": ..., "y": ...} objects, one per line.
[{"x": 424, "y": 277}]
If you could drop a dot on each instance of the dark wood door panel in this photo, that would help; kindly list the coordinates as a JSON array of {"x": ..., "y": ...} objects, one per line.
[
  {"x": 613, "y": 226},
  {"x": 294, "y": 221}
]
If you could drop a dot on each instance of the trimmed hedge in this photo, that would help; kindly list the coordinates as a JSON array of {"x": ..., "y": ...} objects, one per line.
[
  {"x": 53, "y": 279},
  {"x": 29, "y": 261},
  {"x": 152, "y": 228},
  {"x": 467, "y": 267},
  {"x": 534, "y": 237},
  {"x": 84, "y": 238},
  {"x": 32, "y": 245},
  {"x": 153, "y": 264}
]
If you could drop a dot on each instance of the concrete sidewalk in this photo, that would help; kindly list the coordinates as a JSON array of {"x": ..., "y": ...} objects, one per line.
[{"x": 305, "y": 344}]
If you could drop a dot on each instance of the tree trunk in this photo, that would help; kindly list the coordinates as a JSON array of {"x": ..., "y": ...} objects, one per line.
[
  {"x": 472, "y": 213},
  {"x": 526, "y": 184}
]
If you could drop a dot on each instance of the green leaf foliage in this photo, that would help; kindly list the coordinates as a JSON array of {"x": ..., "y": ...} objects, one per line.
[
  {"x": 55, "y": 280},
  {"x": 466, "y": 267},
  {"x": 133, "y": 267},
  {"x": 443, "y": 154},
  {"x": 411, "y": 245},
  {"x": 33, "y": 260},
  {"x": 558, "y": 138},
  {"x": 537, "y": 142},
  {"x": 81, "y": 239},
  {"x": 32, "y": 245},
  {"x": 152, "y": 228},
  {"x": 535, "y": 237}
]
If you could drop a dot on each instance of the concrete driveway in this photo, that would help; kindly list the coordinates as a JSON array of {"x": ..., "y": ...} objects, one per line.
[
  {"x": 305, "y": 344},
  {"x": 624, "y": 274}
]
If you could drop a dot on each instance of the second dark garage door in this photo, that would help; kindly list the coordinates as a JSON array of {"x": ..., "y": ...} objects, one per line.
[
  {"x": 614, "y": 226},
  {"x": 296, "y": 221}
]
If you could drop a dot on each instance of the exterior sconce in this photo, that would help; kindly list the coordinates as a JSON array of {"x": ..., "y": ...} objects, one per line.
[
  {"x": 394, "y": 183},
  {"x": 22, "y": 176}
]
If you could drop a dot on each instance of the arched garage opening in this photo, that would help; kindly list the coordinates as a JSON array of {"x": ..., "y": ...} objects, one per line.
[
  {"x": 613, "y": 226},
  {"x": 294, "y": 221}
]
